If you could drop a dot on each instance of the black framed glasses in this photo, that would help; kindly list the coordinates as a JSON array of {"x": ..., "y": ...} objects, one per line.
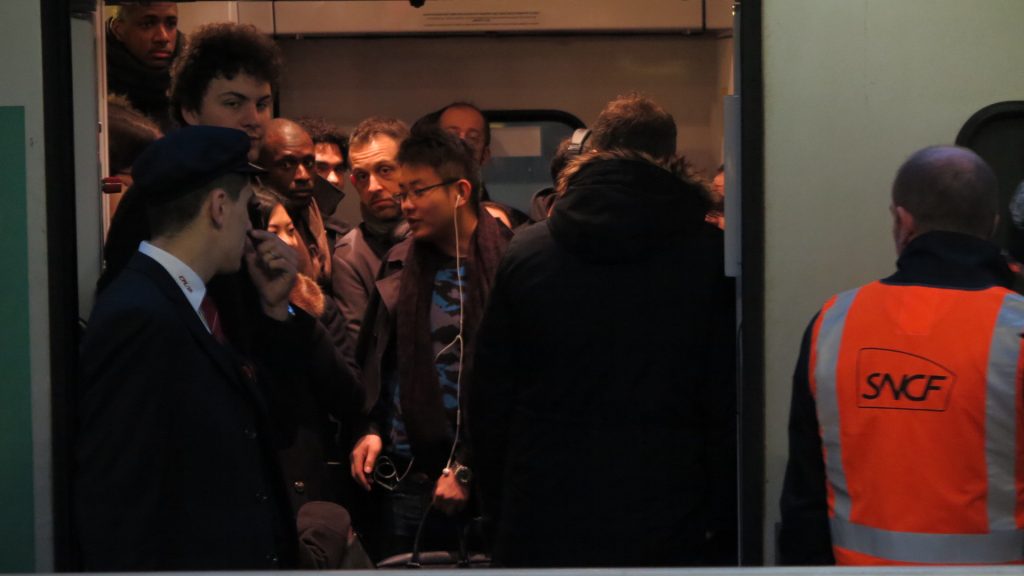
[{"x": 421, "y": 192}]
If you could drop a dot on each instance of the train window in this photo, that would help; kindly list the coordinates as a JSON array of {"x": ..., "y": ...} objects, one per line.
[
  {"x": 523, "y": 142},
  {"x": 996, "y": 133}
]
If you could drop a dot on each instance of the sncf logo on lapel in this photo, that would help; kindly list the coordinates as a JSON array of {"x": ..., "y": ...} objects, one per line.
[{"x": 896, "y": 380}]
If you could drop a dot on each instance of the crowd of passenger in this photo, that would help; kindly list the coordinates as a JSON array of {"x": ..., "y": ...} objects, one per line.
[{"x": 265, "y": 385}]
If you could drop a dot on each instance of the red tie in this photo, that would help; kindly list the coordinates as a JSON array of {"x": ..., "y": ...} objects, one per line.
[{"x": 209, "y": 311}]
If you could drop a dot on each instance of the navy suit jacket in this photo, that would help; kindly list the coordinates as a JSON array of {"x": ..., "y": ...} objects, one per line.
[{"x": 174, "y": 468}]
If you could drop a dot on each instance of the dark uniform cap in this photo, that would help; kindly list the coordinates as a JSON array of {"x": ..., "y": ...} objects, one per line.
[{"x": 188, "y": 159}]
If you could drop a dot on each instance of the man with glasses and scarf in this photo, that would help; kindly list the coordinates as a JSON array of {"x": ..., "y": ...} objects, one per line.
[{"x": 429, "y": 299}]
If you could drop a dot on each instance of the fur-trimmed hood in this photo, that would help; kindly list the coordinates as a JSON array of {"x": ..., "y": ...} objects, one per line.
[
  {"x": 617, "y": 205},
  {"x": 306, "y": 294}
]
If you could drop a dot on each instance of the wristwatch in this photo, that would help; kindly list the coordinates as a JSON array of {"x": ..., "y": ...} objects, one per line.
[{"x": 463, "y": 474}]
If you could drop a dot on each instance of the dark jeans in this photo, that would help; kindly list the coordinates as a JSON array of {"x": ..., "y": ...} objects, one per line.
[{"x": 400, "y": 513}]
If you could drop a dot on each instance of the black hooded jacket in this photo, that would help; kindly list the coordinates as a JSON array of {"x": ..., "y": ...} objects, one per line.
[
  {"x": 602, "y": 409},
  {"x": 937, "y": 259}
]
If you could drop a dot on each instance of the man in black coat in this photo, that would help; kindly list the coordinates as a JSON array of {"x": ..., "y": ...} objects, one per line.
[
  {"x": 174, "y": 467},
  {"x": 142, "y": 42},
  {"x": 602, "y": 405}
]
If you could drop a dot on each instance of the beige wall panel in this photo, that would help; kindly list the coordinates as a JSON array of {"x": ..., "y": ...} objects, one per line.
[{"x": 853, "y": 87}]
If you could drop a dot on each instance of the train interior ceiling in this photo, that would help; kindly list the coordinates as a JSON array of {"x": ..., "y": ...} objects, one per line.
[{"x": 345, "y": 61}]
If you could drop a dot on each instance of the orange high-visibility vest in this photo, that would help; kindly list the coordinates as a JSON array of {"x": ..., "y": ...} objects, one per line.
[{"x": 919, "y": 404}]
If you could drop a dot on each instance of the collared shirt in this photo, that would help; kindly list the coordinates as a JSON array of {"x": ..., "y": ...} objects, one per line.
[{"x": 192, "y": 286}]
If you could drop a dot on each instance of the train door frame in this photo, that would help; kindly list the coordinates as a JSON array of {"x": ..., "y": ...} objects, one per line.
[
  {"x": 747, "y": 35},
  {"x": 62, "y": 262},
  {"x": 62, "y": 288}
]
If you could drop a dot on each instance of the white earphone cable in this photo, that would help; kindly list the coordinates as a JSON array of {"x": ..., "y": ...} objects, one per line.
[{"x": 459, "y": 341}]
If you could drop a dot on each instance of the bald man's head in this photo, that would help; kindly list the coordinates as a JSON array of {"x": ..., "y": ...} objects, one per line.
[
  {"x": 948, "y": 188},
  {"x": 289, "y": 157},
  {"x": 282, "y": 131}
]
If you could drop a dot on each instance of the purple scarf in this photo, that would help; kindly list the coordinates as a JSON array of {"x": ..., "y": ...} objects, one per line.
[{"x": 426, "y": 420}]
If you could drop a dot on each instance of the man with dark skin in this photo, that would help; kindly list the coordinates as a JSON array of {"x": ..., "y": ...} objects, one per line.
[
  {"x": 142, "y": 41},
  {"x": 149, "y": 31},
  {"x": 290, "y": 159}
]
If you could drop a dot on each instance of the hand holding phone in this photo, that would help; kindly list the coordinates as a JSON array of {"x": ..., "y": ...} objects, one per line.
[
  {"x": 257, "y": 217},
  {"x": 273, "y": 266}
]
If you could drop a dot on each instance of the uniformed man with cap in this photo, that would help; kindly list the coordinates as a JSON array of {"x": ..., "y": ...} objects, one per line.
[{"x": 173, "y": 469}]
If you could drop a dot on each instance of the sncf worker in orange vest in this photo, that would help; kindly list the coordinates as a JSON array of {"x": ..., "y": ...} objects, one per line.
[{"x": 905, "y": 429}]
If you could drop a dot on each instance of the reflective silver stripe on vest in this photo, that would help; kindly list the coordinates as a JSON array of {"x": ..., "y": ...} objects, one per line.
[
  {"x": 1001, "y": 414},
  {"x": 996, "y": 547},
  {"x": 830, "y": 337},
  {"x": 1003, "y": 543}
]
